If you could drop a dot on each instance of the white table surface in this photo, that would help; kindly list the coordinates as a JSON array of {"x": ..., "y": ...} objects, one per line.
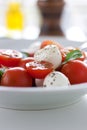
[{"x": 72, "y": 117}]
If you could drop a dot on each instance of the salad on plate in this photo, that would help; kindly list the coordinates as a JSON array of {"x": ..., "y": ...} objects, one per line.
[{"x": 47, "y": 64}]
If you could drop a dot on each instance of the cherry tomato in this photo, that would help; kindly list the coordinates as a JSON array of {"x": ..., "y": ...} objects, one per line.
[
  {"x": 50, "y": 42},
  {"x": 76, "y": 71},
  {"x": 66, "y": 50},
  {"x": 23, "y": 62},
  {"x": 17, "y": 77},
  {"x": 39, "y": 69},
  {"x": 10, "y": 58}
]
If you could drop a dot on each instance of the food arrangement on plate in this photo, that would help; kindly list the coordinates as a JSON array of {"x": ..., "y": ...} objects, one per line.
[{"x": 47, "y": 64}]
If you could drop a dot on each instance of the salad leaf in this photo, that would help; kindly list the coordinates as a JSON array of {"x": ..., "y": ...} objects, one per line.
[{"x": 74, "y": 54}]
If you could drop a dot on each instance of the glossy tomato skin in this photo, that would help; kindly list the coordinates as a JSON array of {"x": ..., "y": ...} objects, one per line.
[
  {"x": 23, "y": 62},
  {"x": 76, "y": 71},
  {"x": 66, "y": 50},
  {"x": 39, "y": 69},
  {"x": 10, "y": 58},
  {"x": 17, "y": 77}
]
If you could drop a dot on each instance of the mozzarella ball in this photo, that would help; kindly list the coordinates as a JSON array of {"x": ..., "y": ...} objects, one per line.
[
  {"x": 56, "y": 79},
  {"x": 33, "y": 47},
  {"x": 51, "y": 54}
]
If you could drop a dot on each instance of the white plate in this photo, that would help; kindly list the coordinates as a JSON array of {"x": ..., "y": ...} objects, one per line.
[{"x": 38, "y": 98}]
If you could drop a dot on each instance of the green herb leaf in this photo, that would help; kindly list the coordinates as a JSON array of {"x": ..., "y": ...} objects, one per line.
[
  {"x": 73, "y": 55},
  {"x": 2, "y": 70}
]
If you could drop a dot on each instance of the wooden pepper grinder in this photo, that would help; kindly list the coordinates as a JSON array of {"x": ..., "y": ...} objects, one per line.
[{"x": 51, "y": 11}]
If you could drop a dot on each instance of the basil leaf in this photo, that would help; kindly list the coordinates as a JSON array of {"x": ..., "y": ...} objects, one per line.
[
  {"x": 2, "y": 70},
  {"x": 72, "y": 55}
]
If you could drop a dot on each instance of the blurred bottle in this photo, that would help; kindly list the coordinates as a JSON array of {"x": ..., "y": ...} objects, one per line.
[
  {"x": 14, "y": 17},
  {"x": 51, "y": 12}
]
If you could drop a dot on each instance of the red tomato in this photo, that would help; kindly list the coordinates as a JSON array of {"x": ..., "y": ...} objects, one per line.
[
  {"x": 66, "y": 50},
  {"x": 23, "y": 62},
  {"x": 10, "y": 58},
  {"x": 76, "y": 71},
  {"x": 17, "y": 77},
  {"x": 50, "y": 42},
  {"x": 39, "y": 69}
]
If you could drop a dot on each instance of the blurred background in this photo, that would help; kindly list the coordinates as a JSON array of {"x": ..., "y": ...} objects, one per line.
[{"x": 29, "y": 19}]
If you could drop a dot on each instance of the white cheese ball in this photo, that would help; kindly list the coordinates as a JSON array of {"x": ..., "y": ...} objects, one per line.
[
  {"x": 56, "y": 79},
  {"x": 33, "y": 47},
  {"x": 50, "y": 53}
]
